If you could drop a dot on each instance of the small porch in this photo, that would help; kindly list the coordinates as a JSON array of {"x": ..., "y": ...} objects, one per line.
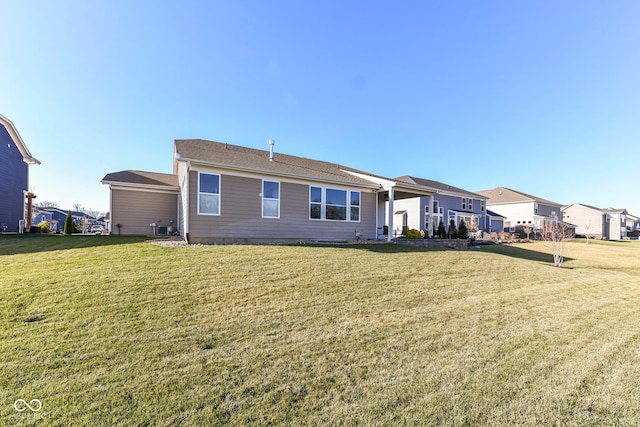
[{"x": 392, "y": 223}]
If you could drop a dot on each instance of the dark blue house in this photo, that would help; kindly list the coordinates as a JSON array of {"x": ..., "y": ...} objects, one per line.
[{"x": 15, "y": 159}]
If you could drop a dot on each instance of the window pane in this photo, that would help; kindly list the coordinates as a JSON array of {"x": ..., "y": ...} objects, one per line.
[
  {"x": 336, "y": 197},
  {"x": 209, "y": 204},
  {"x": 355, "y": 198},
  {"x": 209, "y": 183},
  {"x": 315, "y": 211},
  {"x": 336, "y": 213},
  {"x": 270, "y": 208},
  {"x": 316, "y": 195},
  {"x": 271, "y": 190},
  {"x": 355, "y": 214}
]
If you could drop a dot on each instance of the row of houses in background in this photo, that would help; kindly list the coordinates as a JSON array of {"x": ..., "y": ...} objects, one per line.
[
  {"x": 220, "y": 192},
  {"x": 17, "y": 213},
  {"x": 223, "y": 193},
  {"x": 56, "y": 217}
]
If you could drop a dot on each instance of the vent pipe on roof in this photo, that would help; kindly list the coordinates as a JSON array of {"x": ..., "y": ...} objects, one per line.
[{"x": 271, "y": 144}]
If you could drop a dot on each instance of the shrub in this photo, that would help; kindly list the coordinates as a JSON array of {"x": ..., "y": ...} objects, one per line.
[
  {"x": 69, "y": 226},
  {"x": 412, "y": 233},
  {"x": 44, "y": 227},
  {"x": 441, "y": 231},
  {"x": 453, "y": 230},
  {"x": 463, "y": 232}
]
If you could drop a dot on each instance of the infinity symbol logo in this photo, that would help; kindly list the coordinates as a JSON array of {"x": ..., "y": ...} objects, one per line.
[{"x": 21, "y": 405}]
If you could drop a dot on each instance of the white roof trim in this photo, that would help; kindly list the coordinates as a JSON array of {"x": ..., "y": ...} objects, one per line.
[{"x": 17, "y": 139}]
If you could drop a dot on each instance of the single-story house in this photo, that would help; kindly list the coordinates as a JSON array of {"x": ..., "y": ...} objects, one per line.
[
  {"x": 15, "y": 159},
  {"x": 224, "y": 193}
]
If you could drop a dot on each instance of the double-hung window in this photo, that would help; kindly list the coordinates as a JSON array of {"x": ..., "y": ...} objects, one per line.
[
  {"x": 315, "y": 203},
  {"x": 355, "y": 206},
  {"x": 270, "y": 199},
  {"x": 333, "y": 204},
  {"x": 464, "y": 203},
  {"x": 208, "y": 194}
]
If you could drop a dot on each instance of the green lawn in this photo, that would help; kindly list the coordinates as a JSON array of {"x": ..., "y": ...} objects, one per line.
[{"x": 113, "y": 331}]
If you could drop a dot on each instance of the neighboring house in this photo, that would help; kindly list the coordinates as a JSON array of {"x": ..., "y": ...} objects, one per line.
[
  {"x": 80, "y": 219},
  {"x": 40, "y": 215},
  {"x": 589, "y": 221},
  {"x": 522, "y": 210},
  {"x": 445, "y": 204},
  {"x": 223, "y": 193},
  {"x": 15, "y": 159},
  {"x": 633, "y": 227},
  {"x": 617, "y": 223}
]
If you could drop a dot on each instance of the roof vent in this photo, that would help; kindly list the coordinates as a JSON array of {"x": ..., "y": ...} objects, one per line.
[{"x": 271, "y": 144}]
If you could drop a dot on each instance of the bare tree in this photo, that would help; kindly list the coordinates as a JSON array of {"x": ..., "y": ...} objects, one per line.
[
  {"x": 555, "y": 236},
  {"x": 46, "y": 204},
  {"x": 528, "y": 229},
  {"x": 587, "y": 228},
  {"x": 91, "y": 212},
  {"x": 77, "y": 207}
]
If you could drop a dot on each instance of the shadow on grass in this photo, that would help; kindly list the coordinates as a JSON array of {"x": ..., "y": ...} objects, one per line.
[
  {"x": 383, "y": 248},
  {"x": 11, "y": 244},
  {"x": 391, "y": 248},
  {"x": 521, "y": 253}
]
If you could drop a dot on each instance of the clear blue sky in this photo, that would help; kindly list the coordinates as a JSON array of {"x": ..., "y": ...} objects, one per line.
[{"x": 542, "y": 97}]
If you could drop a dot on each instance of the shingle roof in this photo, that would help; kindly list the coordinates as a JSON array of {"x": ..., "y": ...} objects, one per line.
[
  {"x": 440, "y": 186},
  {"x": 501, "y": 195},
  {"x": 142, "y": 178},
  {"x": 613, "y": 210},
  {"x": 251, "y": 159},
  {"x": 492, "y": 213}
]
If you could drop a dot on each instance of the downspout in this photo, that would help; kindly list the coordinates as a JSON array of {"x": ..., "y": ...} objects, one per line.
[
  {"x": 376, "y": 227},
  {"x": 186, "y": 213},
  {"x": 110, "y": 227},
  {"x": 432, "y": 227},
  {"x": 390, "y": 227}
]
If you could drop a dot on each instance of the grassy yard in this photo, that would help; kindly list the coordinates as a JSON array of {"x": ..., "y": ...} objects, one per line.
[{"x": 113, "y": 331}]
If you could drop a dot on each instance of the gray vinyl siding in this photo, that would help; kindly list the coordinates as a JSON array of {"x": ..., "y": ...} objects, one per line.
[
  {"x": 241, "y": 219},
  {"x": 135, "y": 210},
  {"x": 547, "y": 210}
]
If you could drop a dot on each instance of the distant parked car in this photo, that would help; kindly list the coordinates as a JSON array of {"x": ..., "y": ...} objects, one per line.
[{"x": 96, "y": 229}]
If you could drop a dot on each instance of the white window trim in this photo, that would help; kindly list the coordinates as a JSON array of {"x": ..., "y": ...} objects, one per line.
[
  {"x": 359, "y": 205},
  {"x": 219, "y": 194},
  {"x": 265, "y": 198}
]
